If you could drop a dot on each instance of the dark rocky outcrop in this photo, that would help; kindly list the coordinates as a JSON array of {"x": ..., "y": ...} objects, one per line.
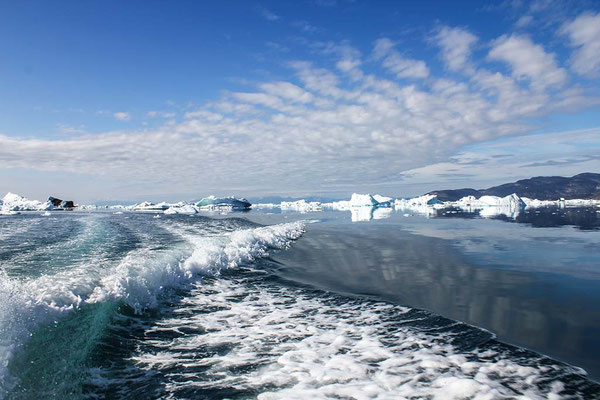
[
  {"x": 64, "y": 204},
  {"x": 582, "y": 186}
]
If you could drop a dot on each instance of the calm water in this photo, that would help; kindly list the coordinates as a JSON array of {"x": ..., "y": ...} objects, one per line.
[{"x": 96, "y": 305}]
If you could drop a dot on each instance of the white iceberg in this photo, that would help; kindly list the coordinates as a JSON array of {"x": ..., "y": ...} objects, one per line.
[
  {"x": 491, "y": 206},
  {"x": 363, "y": 200},
  {"x": 360, "y": 200},
  {"x": 149, "y": 206},
  {"x": 580, "y": 203},
  {"x": 535, "y": 203},
  {"x": 512, "y": 201},
  {"x": 181, "y": 209},
  {"x": 301, "y": 206},
  {"x": 364, "y": 207},
  {"x": 216, "y": 203},
  {"x": 14, "y": 202},
  {"x": 427, "y": 204},
  {"x": 265, "y": 205}
]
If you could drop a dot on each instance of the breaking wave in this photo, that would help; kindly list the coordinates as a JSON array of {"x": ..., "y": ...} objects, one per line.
[{"x": 138, "y": 279}]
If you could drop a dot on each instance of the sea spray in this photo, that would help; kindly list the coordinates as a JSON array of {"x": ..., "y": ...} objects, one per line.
[{"x": 137, "y": 280}]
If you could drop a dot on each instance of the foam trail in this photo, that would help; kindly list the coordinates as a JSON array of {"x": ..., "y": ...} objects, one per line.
[
  {"x": 243, "y": 337},
  {"x": 138, "y": 279}
]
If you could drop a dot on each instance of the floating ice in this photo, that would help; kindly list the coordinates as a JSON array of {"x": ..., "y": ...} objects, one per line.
[
  {"x": 535, "y": 203},
  {"x": 301, "y": 206},
  {"x": 383, "y": 201},
  {"x": 580, "y": 203},
  {"x": 14, "y": 202},
  {"x": 212, "y": 202},
  {"x": 360, "y": 200},
  {"x": 511, "y": 201},
  {"x": 149, "y": 206},
  {"x": 183, "y": 209}
]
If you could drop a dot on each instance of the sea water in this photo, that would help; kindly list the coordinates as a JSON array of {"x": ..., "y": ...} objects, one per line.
[{"x": 258, "y": 305}]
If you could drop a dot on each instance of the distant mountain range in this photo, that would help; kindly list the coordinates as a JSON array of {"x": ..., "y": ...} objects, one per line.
[{"x": 582, "y": 186}]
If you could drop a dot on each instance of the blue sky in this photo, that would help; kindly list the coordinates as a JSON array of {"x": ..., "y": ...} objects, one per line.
[{"x": 173, "y": 100}]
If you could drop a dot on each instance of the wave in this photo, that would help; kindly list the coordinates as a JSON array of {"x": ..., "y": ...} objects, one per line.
[
  {"x": 245, "y": 337},
  {"x": 137, "y": 280}
]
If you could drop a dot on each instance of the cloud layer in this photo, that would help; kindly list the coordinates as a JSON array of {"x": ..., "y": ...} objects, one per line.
[{"x": 355, "y": 120}]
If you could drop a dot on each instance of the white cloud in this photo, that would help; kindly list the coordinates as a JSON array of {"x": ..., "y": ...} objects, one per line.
[
  {"x": 161, "y": 114},
  {"x": 204, "y": 115},
  {"x": 328, "y": 126},
  {"x": 456, "y": 45},
  {"x": 524, "y": 21},
  {"x": 528, "y": 61},
  {"x": 305, "y": 26},
  {"x": 584, "y": 33},
  {"x": 394, "y": 62},
  {"x": 122, "y": 116},
  {"x": 287, "y": 91},
  {"x": 510, "y": 159},
  {"x": 269, "y": 15}
]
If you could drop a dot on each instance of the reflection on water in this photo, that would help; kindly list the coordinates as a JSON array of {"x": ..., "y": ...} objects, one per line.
[
  {"x": 538, "y": 288},
  {"x": 583, "y": 217},
  {"x": 361, "y": 214}
]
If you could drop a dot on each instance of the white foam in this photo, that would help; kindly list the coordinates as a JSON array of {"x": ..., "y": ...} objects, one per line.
[
  {"x": 138, "y": 279},
  {"x": 310, "y": 346}
]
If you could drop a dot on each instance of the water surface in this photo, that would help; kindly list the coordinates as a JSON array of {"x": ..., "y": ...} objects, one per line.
[{"x": 96, "y": 305}]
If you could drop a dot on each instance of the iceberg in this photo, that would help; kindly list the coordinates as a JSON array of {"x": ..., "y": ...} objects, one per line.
[
  {"x": 360, "y": 200},
  {"x": 301, "y": 206},
  {"x": 535, "y": 203},
  {"x": 580, "y": 202},
  {"x": 149, "y": 206},
  {"x": 491, "y": 206},
  {"x": 383, "y": 201},
  {"x": 363, "y": 200},
  {"x": 265, "y": 205},
  {"x": 364, "y": 207},
  {"x": 14, "y": 202},
  {"x": 511, "y": 201},
  {"x": 427, "y": 204},
  {"x": 233, "y": 203},
  {"x": 181, "y": 209}
]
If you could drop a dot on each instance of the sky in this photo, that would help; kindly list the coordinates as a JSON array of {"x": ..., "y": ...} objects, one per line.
[{"x": 175, "y": 100}]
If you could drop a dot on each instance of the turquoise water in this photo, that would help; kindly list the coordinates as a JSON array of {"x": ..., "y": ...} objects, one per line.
[{"x": 102, "y": 305}]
